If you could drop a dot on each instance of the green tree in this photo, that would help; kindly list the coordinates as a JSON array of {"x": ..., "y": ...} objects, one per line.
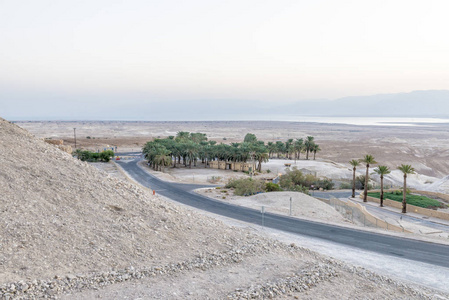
[
  {"x": 163, "y": 158},
  {"x": 106, "y": 155},
  {"x": 299, "y": 146},
  {"x": 280, "y": 148},
  {"x": 354, "y": 163},
  {"x": 198, "y": 137},
  {"x": 315, "y": 148},
  {"x": 250, "y": 138},
  {"x": 368, "y": 160},
  {"x": 271, "y": 149},
  {"x": 382, "y": 171},
  {"x": 261, "y": 156},
  {"x": 191, "y": 151},
  {"x": 405, "y": 169},
  {"x": 308, "y": 144}
]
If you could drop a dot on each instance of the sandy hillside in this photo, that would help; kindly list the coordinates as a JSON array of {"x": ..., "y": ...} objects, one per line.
[
  {"x": 303, "y": 205},
  {"x": 69, "y": 230},
  {"x": 61, "y": 216}
]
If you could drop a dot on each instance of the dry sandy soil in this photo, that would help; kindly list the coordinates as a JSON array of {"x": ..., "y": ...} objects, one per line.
[
  {"x": 425, "y": 147},
  {"x": 69, "y": 230},
  {"x": 303, "y": 205}
]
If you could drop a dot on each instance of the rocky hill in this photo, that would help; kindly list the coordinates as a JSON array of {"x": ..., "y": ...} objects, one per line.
[
  {"x": 69, "y": 230},
  {"x": 61, "y": 216}
]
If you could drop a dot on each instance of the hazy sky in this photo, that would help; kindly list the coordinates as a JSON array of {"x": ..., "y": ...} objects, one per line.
[{"x": 63, "y": 52}]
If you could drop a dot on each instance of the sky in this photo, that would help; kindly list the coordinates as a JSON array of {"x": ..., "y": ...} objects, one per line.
[{"x": 60, "y": 55}]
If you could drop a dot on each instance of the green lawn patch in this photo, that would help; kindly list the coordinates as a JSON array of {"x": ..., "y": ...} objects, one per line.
[{"x": 417, "y": 200}]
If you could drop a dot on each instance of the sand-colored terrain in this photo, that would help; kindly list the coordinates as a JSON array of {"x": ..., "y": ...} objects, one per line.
[
  {"x": 303, "y": 206},
  {"x": 70, "y": 230},
  {"x": 424, "y": 146}
]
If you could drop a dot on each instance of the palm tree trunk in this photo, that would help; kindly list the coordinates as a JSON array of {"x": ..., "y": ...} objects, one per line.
[
  {"x": 404, "y": 195},
  {"x": 353, "y": 183},
  {"x": 381, "y": 191},
  {"x": 314, "y": 154},
  {"x": 365, "y": 194}
]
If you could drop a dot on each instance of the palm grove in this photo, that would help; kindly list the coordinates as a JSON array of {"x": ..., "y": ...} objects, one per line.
[
  {"x": 381, "y": 170},
  {"x": 188, "y": 148}
]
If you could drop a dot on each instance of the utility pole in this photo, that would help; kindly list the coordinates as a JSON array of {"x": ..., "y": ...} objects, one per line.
[{"x": 74, "y": 134}]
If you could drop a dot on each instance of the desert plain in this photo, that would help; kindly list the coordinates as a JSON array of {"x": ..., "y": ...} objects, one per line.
[{"x": 423, "y": 145}]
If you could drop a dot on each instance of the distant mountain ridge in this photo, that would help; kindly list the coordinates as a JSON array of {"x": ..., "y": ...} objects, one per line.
[{"x": 433, "y": 103}]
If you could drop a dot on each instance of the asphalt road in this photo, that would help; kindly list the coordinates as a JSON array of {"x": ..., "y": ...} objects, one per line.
[
  {"x": 431, "y": 253},
  {"x": 329, "y": 194}
]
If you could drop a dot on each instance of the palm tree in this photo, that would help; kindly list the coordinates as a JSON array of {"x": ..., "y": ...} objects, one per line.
[
  {"x": 280, "y": 148},
  {"x": 406, "y": 169},
  {"x": 289, "y": 147},
  {"x": 299, "y": 145},
  {"x": 191, "y": 151},
  {"x": 315, "y": 148},
  {"x": 271, "y": 148},
  {"x": 382, "y": 170},
  {"x": 163, "y": 159},
  {"x": 308, "y": 145},
  {"x": 368, "y": 159},
  {"x": 261, "y": 156},
  {"x": 354, "y": 163},
  {"x": 182, "y": 136}
]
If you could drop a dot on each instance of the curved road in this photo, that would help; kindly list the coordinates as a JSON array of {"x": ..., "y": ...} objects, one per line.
[{"x": 431, "y": 253}]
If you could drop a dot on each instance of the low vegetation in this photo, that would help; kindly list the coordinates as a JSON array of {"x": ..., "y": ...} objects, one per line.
[
  {"x": 90, "y": 156},
  {"x": 246, "y": 186},
  {"x": 417, "y": 200},
  {"x": 295, "y": 180}
]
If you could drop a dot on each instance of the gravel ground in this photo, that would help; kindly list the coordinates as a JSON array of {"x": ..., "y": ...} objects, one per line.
[{"x": 303, "y": 206}]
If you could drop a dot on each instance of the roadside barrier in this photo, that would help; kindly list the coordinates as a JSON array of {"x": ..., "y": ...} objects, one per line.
[
  {"x": 357, "y": 213},
  {"x": 412, "y": 208}
]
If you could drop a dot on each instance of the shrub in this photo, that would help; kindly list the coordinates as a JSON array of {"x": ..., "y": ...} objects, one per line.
[
  {"x": 345, "y": 186},
  {"x": 94, "y": 156},
  {"x": 272, "y": 187},
  {"x": 325, "y": 184},
  {"x": 246, "y": 186},
  {"x": 360, "y": 183},
  {"x": 268, "y": 171},
  {"x": 214, "y": 179},
  {"x": 232, "y": 183},
  {"x": 295, "y": 180}
]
